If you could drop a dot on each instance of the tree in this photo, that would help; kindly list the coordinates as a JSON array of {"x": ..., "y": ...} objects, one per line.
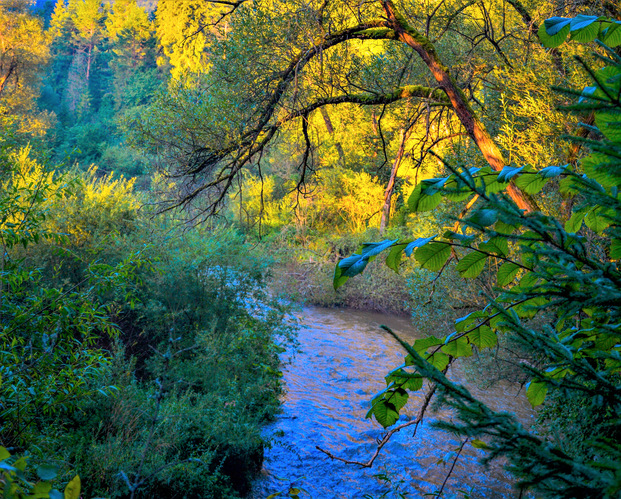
[
  {"x": 559, "y": 293},
  {"x": 282, "y": 65},
  {"x": 132, "y": 39},
  {"x": 24, "y": 52},
  {"x": 77, "y": 29}
]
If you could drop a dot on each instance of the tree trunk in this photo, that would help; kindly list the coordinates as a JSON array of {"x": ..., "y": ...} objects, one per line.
[
  {"x": 391, "y": 183},
  {"x": 464, "y": 112},
  {"x": 330, "y": 128},
  {"x": 88, "y": 62}
]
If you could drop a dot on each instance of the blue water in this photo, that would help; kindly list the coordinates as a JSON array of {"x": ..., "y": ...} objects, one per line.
[{"x": 344, "y": 356}]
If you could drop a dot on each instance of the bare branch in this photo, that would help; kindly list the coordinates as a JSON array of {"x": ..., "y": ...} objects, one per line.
[{"x": 386, "y": 438}]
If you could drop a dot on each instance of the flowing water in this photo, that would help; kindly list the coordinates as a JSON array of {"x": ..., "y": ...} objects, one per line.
[{"x": 344, "y": 355}]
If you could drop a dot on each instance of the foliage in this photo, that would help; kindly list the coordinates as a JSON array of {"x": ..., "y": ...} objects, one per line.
[
  {"x": 544, "y": 268},
  {"x": 85, "y": 274},
  {"x": 221, "y": 380},
  {"x": 24, "y": 51},
  {"x": 15, "y": 483},
  {"x": 50, "y": 335},
  {"x": 103, "y": 66}
]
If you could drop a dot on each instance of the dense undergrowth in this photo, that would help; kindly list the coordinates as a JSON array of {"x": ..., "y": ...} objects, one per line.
[{"x": 153, "y": 371}]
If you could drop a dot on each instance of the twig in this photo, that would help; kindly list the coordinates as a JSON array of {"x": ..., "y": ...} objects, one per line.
[
  {"x": 387, "y": 436},
  {"x": 461, "y": 448}
]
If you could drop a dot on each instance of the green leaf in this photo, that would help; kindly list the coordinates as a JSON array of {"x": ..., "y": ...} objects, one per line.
[
  {"x": 553, "y": 40},
  {"x": 611, "y": 36},
  {"x": 433, "y": 256},
  {"x": 458, "y": 348},
  {"x": 504, "y": 228},
  {"x": 339, "y": 278},
  {"x": 349, "y": 267},
  {"x": 531, "y": 183},
  {"x": 615, "y": 249},
  {"x": 439, "y": 360},
  {"x": 552, "y": 171},
  {"x": 47, "y": 472},
  {"x": 373, "y": 249},
  {"x": 575, "y": 221},
  {"x": 584, "y": 28},
  {"x": 409, "y": 381},
  {"x": 465, "y": 322},
  {"x": 384, "y": 410},
  {"x": 419, "y": 201},
  {"x": 496, "y": 245},
  {"x": 472, "y": 264},
  {"x": 479, "y": 444},
  {"x": 42, "y": 488},
  {"x": 21, "y": 464},
  {"x": 422, "y": 345},
  {"x": 506, "y": 273},
  {"x": 483, "y": 337},
  {"x": 484, "y": 218},
  {"x": 609, "y": 124},
  {"x": 596, "y": 222},
  {"x": 492, "y": 182},
  {"x": 394, "y": 257},
  {"x": 4, "y": 454},
  {"x": 555, "y": 25},
  {"x": 536, "y": 393},
  {"x": 72, "y": 490}
]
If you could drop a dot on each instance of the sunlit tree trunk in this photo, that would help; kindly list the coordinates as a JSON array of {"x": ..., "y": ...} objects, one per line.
[
  {"x": 330, "y": 128},
  {"x": 475, "y": 129},
  {"x": 385, "y": 220}
]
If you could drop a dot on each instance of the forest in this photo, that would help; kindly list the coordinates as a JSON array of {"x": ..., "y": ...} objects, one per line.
[{"x": 180, "y": 178}]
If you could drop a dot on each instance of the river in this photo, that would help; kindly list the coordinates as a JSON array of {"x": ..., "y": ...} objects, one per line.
[{"x": 330, "y": 382}]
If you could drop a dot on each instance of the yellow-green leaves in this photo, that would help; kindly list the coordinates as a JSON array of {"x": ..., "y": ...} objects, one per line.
[
  {"x": 459, "y": 347},
  {"x": 72, "y": 490},
  {"x": 483, "y": 337}
]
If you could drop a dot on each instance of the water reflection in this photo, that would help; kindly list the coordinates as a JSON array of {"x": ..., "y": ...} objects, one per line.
[{"x": 329, "y": 388}]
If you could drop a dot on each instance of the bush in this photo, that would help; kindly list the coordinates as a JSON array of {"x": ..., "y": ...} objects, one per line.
[{"x": 177, "y": 411}]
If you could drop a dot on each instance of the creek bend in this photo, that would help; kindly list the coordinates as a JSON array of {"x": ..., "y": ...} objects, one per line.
[{"x": 329, "y": 385}]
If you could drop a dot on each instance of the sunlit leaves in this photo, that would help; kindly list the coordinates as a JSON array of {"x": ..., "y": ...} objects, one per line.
[
  {"x": 531, "y": 183},
  {"x": 575, "y": 221},
  {"x": 422, "y": 199},
  {"x": 72, "y": 490},
  {"x": 407, "y": 380}
]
